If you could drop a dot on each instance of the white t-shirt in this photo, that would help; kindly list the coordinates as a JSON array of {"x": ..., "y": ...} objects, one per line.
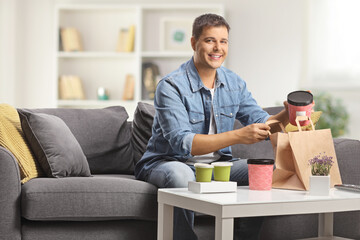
[{"x": 210, "y": 157}]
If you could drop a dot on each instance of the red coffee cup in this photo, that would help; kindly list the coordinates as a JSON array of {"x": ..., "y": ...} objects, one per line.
[
  {"x": 260, "y": 173},
  {"x": 300, "y": 104}
]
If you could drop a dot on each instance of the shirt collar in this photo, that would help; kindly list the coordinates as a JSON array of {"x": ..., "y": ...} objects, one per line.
[{"x": 194, "y": 78}]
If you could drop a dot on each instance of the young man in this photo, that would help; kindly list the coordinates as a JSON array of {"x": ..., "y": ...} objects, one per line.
[{"x": 196, "y": 107}]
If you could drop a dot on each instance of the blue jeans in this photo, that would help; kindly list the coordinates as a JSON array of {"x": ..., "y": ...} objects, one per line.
[{"x": 174, "y": 174}]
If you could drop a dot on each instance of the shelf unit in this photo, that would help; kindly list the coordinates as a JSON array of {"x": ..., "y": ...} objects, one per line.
[{"x": 100, "y": 65}]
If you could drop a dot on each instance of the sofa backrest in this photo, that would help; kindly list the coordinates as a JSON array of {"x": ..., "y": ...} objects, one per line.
[{"x": 103, "y": 134}]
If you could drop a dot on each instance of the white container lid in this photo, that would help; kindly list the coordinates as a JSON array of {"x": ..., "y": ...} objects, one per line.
[
  {"x": 222, "y": 164},
  {"x": 203, "y": 165}
]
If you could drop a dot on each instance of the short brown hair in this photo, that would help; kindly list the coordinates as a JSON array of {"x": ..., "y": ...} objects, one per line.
[{"x": 206, "y": 20}]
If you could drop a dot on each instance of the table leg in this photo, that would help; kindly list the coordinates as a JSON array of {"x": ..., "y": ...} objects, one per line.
[
  {"x": 224, "y": 228},
  {"x": 165, "y": 221},
  {"x": 326, "y": 222}
]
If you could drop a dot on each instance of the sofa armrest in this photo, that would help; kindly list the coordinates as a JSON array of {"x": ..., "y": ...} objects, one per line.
[
  {"x": 348, "y": 157},
  {"x": 10, "y": 190}
]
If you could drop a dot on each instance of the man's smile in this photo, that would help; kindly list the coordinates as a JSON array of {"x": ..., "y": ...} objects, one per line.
[{"x": 215, "y": 56}]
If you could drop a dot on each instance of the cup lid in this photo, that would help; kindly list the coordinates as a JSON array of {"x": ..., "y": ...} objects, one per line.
[
  {"x": 203, "y": 165},
  {"x": 261, "y": 161},
  {"x": 300, "y": 98},
  {"x": 222, "y": 164}
]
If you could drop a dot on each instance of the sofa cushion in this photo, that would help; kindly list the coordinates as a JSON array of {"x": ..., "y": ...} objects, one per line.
[
  {"x": 102, "y": 197},
  {"x": 12, "y": 138},
  {"x": 142, "y": 127},
  {"x": 103, "y": 134},
  {"x": 53, "y": 144}
]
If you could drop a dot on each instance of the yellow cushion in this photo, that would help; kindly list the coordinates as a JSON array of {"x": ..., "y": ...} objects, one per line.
[
  {"x": 315, "y": 116},
  {"x": 12, "y": 138}
]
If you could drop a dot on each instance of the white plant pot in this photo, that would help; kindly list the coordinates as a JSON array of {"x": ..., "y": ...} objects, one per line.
[{"x": 319, "y": 185}]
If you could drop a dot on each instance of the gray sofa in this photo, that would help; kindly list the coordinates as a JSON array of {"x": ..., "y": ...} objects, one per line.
[{"x": 111, "y": 204}]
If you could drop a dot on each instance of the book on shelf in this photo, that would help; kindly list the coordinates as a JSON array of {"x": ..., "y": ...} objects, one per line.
[
  {"x": 70, "y": 88},
  {"x": 150, "y": 78},
  {"x": 70, "y": 40},
  {"x": 126, "y": 40},
  {"x": 129, "y": 87}
]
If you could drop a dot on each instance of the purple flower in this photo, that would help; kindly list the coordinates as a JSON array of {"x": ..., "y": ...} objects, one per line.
[{"x": 321, "y": 164}]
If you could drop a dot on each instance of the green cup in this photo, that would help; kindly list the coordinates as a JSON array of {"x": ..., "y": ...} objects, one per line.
[
  {"x": 222, "y": 171},
  {"x": 203, "y": 172}
]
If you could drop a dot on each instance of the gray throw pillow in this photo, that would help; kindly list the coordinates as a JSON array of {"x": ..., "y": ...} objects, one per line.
[
  {"x": 142, "y": 128},
  {"x": 103, "y": 134},
  {"x": 54, "y": 146}
]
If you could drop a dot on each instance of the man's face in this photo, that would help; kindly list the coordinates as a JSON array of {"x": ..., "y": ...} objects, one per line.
[{"x": 211, "y": 48}]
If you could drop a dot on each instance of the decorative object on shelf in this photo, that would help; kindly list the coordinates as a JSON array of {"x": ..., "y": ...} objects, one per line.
[
  {"x": 320, "y": 178},
  {"x": 126, "y": 39},
  {"x": 102, "y": 94},
  {"x": 70, "y": 88},
  {"x": 151, "y": 76},
  {"x": 129, "y": 88},
  {"x": 335, "y": 115},
  {"x": 175, "y": 34},
  {"x": 70, "y": 39}
]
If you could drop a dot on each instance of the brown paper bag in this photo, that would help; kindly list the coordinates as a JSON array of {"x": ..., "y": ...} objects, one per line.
[{"x": 293, "y": 151}]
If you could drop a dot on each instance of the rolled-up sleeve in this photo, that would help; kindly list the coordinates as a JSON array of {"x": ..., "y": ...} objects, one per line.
[{"x": 173, "y": 118}]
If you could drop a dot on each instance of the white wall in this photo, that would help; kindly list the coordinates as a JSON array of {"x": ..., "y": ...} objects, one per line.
[
  {"x": 7, "y": 51},
  {"x": 267, "y": 47},
  {"x": 35, "y": 54}
]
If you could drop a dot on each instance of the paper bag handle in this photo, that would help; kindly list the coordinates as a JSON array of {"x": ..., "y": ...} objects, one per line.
[
  {"x": 276, "y": 121},
  {"x": 303, "y": 118}
]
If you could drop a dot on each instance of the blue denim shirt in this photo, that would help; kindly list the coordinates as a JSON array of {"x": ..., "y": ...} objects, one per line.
[{"x": 183, "y": 106}]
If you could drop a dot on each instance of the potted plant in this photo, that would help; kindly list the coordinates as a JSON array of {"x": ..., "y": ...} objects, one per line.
[
  {"x": 320, "y": 174},
  {"x": 334, "y": 114}
]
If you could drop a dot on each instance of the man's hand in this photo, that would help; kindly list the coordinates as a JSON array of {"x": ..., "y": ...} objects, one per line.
[
  {"x": 253, "y": 133},
  {"x": 282, "y": 116}
]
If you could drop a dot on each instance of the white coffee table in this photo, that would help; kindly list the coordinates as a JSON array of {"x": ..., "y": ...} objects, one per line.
[{"x": 246, "y": 203}]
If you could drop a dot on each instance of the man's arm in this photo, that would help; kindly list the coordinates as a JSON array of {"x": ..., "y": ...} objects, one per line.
[{"x": 203, "y": 143}]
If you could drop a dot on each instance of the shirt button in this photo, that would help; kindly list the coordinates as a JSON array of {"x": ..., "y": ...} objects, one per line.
[
  {"x": 216, "y": 115},
  {"x": 230, "y": 114}
]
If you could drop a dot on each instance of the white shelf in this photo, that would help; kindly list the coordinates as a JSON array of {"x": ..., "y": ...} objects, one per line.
[
  {"x": 166, "y": 54},
  {"x": 96, "y": 7},
  {"x": 99, "y": 65},
  {"x": 98, "y": 54}
]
